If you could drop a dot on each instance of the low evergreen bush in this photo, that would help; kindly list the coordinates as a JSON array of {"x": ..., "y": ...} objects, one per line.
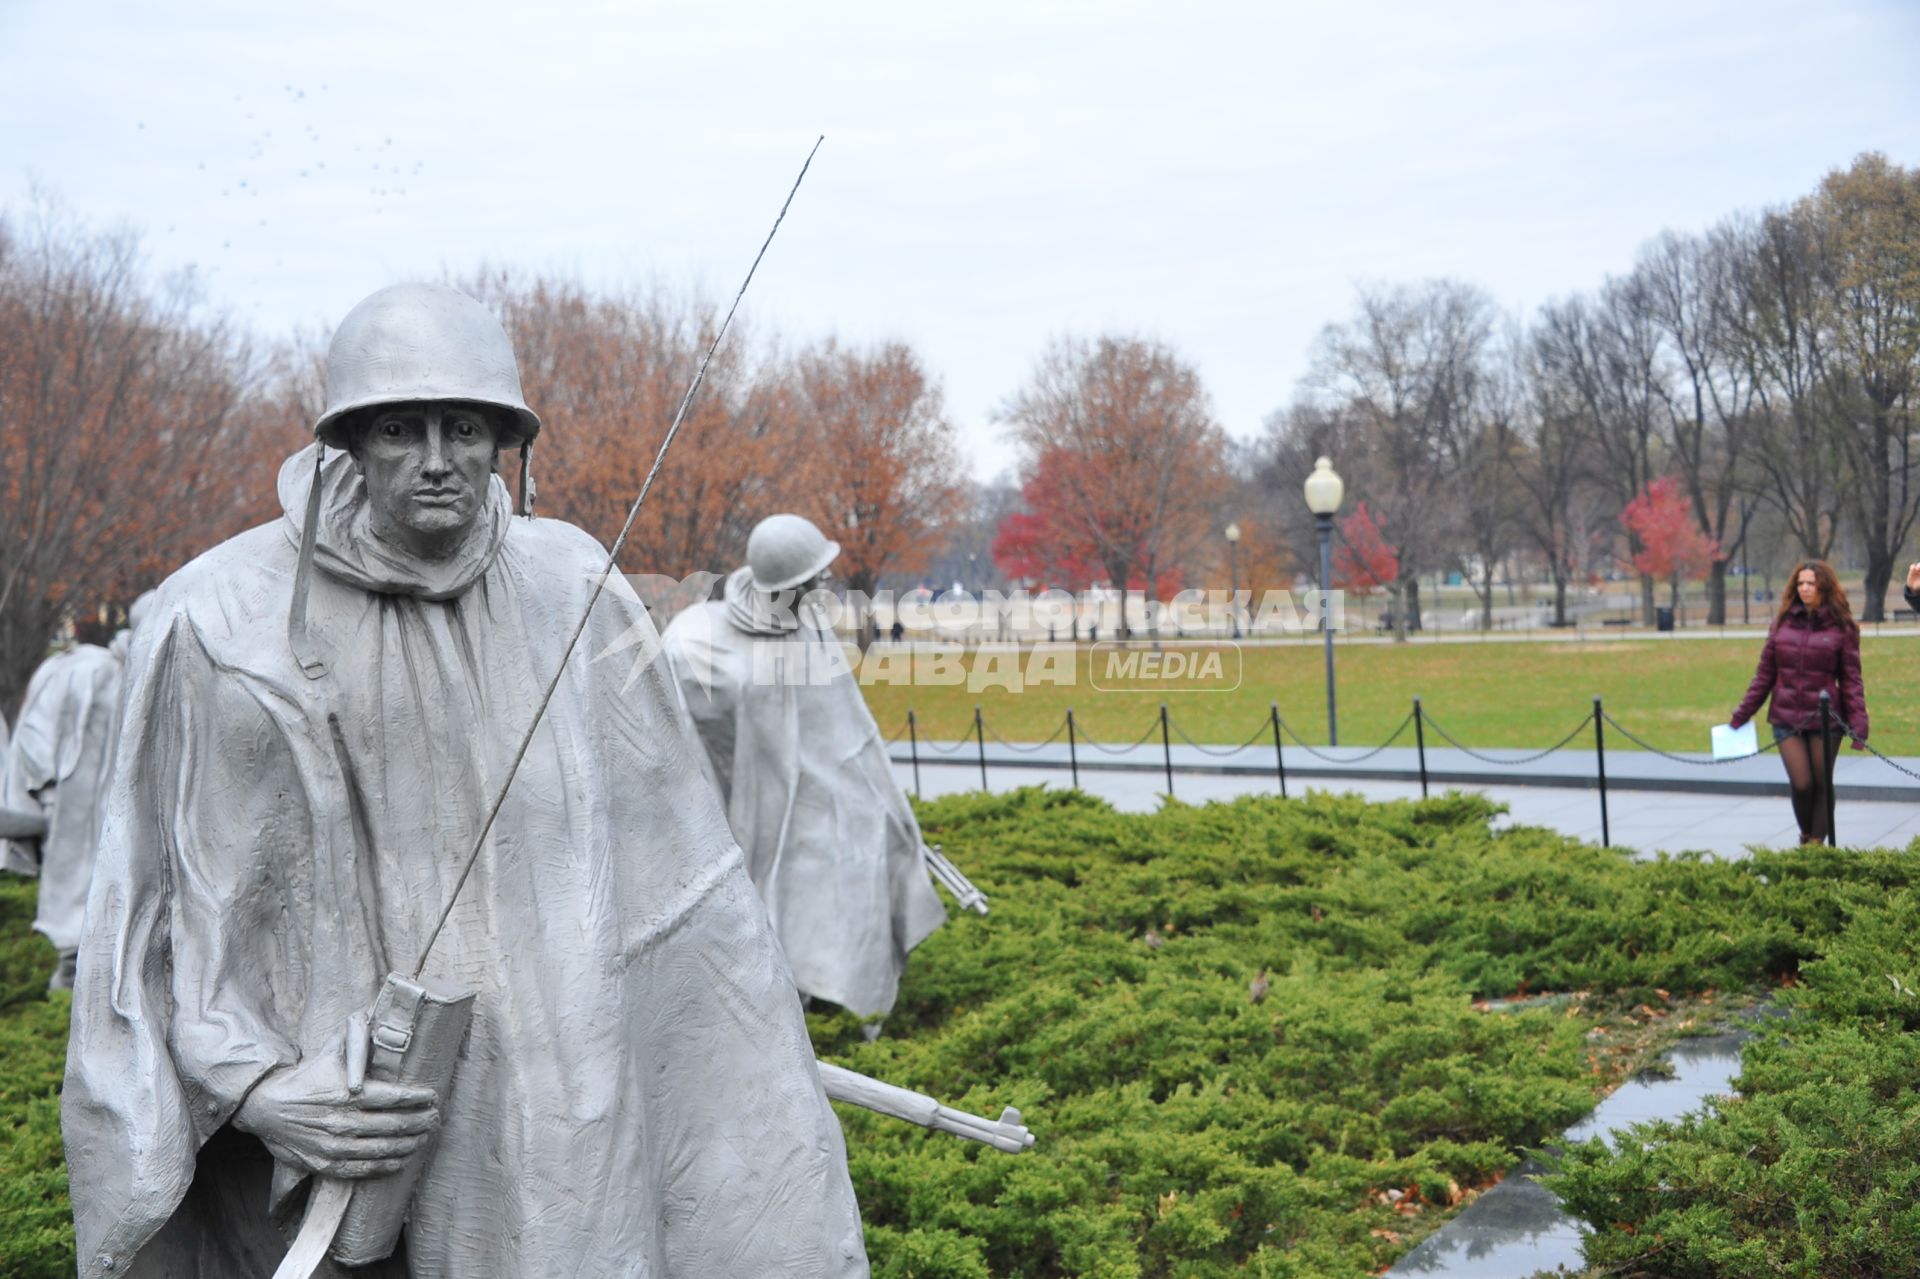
[
  {"x": 1252, "y": 1040},
  {"x": 1814, "y": 1169}
]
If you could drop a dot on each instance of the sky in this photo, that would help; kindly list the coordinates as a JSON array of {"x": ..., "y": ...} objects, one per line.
[{"x": 1218, "y": 176}]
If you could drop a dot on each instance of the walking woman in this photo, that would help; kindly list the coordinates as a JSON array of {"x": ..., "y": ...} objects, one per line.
[{"x": 1813, "y": 647}]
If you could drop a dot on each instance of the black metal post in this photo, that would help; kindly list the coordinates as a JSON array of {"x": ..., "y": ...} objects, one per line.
[
  {"x": 980, "y": 736},
  {"x": 1420, "y": 741},
  {"x": 1827, "y": 745},
  {"x": 1279, "y": 760},
  {"x": 1166, "y": 748},
  {"x": 913, "y": 744},
  {"x": 1073, "y": 749},
  {"x": 1600, "y": 758},
  {"x": 1325, "y": 524}
]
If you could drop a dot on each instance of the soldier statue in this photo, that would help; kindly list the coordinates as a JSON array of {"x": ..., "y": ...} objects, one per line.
[
  {"x": 830, "y": 838},
  {"x": 319, "y": 714},
  {"x": 57, "y": 766}
]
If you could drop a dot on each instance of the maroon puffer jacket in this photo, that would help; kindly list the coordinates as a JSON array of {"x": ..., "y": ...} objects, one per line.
[{"x": 1805, "y": 654}]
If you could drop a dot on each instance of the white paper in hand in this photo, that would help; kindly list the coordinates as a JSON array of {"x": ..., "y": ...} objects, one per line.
[{"x": 1732, "y": 743}]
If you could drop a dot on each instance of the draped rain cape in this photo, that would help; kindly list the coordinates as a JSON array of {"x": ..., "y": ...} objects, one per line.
[
  {"x": 56, "y": 766},
  {"x": 830, "y": 838},
  {"x": 637, "y": 1096}
]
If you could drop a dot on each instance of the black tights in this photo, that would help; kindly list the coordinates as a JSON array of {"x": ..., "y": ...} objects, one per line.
[{"x": 1809, "y": 762}]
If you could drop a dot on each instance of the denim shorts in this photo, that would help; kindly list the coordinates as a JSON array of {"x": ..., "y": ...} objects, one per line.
[{"x": 1781, "y": 732}]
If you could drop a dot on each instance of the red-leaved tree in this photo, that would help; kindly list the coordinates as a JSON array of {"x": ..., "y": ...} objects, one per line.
[
  {"x": 1050, "y": 544},
  {"x": 1362, "y": 560},
  {"x": 1672, "y": 545}
]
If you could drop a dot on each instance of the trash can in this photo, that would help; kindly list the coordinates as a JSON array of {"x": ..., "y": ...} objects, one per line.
[{"x": 1662, "y": 618}]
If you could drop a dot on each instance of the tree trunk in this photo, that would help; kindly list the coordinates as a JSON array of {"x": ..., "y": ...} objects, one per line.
[
  {"x": 1559, "y": 598},
  {"x": 1411, "y": 597},
  {"x": 1646, "y": 600},
  {"x": 1119, "y": 572},
  {"x": 1717, "y": 593},
  {"x": 1879, "y": 575}
]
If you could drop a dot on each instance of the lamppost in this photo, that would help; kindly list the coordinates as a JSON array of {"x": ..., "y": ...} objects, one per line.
[
  {"x": 1233, "y": 576},
  {"x": 1324, "y": 491}
]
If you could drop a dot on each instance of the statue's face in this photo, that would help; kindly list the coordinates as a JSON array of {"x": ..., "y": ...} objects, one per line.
[{"x": 426, "y": 468}]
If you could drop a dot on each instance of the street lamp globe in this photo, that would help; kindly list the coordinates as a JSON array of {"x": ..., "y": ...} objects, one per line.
[
  {"x": 1324, "y": 489},
  {"x": 1233, "y": 532}
]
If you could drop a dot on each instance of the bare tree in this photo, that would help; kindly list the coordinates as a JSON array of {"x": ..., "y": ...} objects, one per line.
[
  {"x": 1555, "y": 467},
  {"x": 1482, "y": 453},
  {"x": 1282, "y": 458},
  {"x": 1607, "y": 352},
  {"x": 1775, "y": 334},
  {"x": 1412, "y": 369},
  {"x": 1865, "y": 227},
  {"x": 1690, "y": 284}
]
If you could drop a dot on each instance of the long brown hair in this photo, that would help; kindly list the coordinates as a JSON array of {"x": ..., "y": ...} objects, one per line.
[{"x": 1833, "y": 596}]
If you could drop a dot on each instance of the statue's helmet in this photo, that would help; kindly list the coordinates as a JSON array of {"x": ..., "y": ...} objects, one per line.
[
  {"x": 785, "y": 550},
  {"x": 412, "y": 343}
]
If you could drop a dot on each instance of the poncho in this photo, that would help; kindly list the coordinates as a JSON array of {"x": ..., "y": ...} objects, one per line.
[
  {"x": 637, "y": 1095},
  {"x": 831, "y": 840},
  {"x": 57, "y": 766}
]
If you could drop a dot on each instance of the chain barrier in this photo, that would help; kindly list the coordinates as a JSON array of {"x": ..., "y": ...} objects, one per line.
[
  {"x": 1892, "y": 763},
  {"x": 1258, "y": 733},
  {"x": 1031, "y": 747},
  {"x": 954, "y": 748},
  {"x": 1122, "y": 750},
  {"x": 1645, "y": 745},
  {"x": 1357, "y": 759},
  {"x": 1459, "y": 745}
]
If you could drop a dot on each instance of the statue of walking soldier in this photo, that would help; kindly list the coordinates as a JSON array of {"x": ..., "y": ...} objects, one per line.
[
  {"x": 585, "y": 1054},
  {"x": 56, "y": 769},
  {"x": 831, "y": 840}
]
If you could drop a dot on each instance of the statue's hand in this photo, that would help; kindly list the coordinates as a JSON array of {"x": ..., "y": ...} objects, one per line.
[{"x": 306, "y": 1116}]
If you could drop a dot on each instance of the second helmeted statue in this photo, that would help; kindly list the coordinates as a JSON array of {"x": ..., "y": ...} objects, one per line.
[{"x": 830, "y": 838}]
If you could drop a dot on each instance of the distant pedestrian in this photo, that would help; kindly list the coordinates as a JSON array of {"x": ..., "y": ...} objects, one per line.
[
  {"x": 900, "y": 629},
  {"x": 1812, "y": 647}
]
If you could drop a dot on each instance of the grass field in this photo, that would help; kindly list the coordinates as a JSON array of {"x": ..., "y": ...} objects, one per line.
[{"x": 1670, "y": 692}]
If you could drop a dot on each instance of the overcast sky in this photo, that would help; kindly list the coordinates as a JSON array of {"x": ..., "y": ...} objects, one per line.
[{"x": 1219, "y": 176}]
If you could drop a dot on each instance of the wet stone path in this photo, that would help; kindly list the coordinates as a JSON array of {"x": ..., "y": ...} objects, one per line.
[{"x": 1516, "y": 1230}]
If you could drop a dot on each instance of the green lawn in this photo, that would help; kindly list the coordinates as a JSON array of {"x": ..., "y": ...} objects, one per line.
[{"x": 1670, "y": 692}]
